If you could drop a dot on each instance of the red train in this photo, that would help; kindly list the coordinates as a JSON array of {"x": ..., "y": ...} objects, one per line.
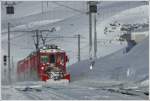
[{"x": 48, "y": 62}]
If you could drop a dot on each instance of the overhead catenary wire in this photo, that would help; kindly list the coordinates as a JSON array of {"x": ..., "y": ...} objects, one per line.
[
  {"x": 18, "y": 36},
  {"x": 75, "y": 36},
  {"x": 27, "y": 32},
  {"x": 20, "y": 46},
  {"x": 76, "y": 10},
  {"x": 21, "y": 35},
  {"x": 56, "y": 36}
]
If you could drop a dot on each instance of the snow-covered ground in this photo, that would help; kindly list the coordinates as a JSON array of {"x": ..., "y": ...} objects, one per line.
[{"x": 115, "y": 76}]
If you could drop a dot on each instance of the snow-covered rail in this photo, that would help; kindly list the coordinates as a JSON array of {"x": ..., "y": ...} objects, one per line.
[
  {"x": 57, "y": 95},
  {"x": 128, "y": 92},
  {"x": 32, "y": 96}
]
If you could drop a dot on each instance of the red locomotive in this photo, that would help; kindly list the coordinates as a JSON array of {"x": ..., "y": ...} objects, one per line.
[{"x": 48, "y": 62}]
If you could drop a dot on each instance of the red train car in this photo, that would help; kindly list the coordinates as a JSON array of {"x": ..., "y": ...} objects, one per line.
[{"x": 49, "y": 62}]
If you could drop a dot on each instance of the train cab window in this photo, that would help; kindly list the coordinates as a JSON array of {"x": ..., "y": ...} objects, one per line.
[
  {"x": 60, "y": 59},
  {"x": 44, "y": 59},
  {"x": 52, "y": 58}
]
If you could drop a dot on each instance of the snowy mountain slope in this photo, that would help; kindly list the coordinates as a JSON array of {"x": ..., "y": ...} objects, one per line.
[
  {"x": 126, "y": 17},
  {"x": 52, "y": 10},
  {"x": 130, "y": 67},
  {"x": 35, "y": 11}
]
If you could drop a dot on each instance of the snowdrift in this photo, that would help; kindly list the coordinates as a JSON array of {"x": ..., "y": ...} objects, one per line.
[{"x": 132, "y": 66}]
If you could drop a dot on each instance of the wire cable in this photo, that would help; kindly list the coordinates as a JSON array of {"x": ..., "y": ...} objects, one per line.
[{"x": 77, "y": 10}]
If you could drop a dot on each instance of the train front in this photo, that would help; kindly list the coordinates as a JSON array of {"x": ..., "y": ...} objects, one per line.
[{"x": 53, "y": 64}]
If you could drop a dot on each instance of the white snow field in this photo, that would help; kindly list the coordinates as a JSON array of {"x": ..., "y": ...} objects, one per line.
[{"x": 115, "y": 75}]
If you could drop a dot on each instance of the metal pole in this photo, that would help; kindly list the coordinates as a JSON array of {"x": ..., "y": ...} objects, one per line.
[
  {"x": 95, "y": 38},
  {"x": 92, "y": 28},
  {"x": 9, "y": 69},
  {"x": 90, "y": 33},
  {"x": 78, "y": 47},
  {"x": 37, "y": 47},
  {"x": 5, "y": 75},
  {"x": 37, "y": 39},
  {"x": 12, "y": 70}
]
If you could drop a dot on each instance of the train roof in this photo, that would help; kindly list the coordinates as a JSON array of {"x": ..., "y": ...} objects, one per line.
[{"x": 51, "y": 49}]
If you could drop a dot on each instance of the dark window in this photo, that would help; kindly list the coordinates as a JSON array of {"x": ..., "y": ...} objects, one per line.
[{"x": 52, "y": 58}]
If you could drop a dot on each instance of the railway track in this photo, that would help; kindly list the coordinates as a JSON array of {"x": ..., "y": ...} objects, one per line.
[
  {"x": 43, "y": 94},
  {"x": 32, "y": 96},
  {"x": 58, "y": 95},
  {"x": 63, "y": 93}
]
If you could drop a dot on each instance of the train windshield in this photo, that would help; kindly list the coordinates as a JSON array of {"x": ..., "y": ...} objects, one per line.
[
  {"x": 44, "y": 59},
  {"x": 60, "y": 59},
  {"x": 52, "y": 58}
]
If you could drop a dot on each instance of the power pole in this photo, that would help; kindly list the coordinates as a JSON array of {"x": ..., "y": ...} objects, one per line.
[
  {"x": 90, "y": 33},
  {"x": 37, "y": 39},
  {"x": 92, "y": 23},
  {"x": 12, "y": 70},
  {"x": 37, "y": 45},
  {"x": 9, "y": 68},
  {"x": 9, "y": 11},
  {"x": 78, "y": 47},
  {"x": 95, "y": 38}
]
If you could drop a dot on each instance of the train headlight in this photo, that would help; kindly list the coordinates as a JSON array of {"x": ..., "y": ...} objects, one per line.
[{"x": 42, "y": 68}]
